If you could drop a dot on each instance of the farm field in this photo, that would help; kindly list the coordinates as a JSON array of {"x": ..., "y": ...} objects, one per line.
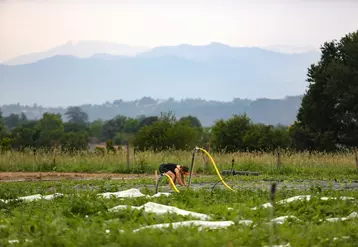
[
  {"x": 81, "y": 215},
  {"x": 61, "y": 204},
  {"x": 302, "y": 165}
]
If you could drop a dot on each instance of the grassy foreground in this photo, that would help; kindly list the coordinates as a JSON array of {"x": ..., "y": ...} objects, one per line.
[
  {"x": 81, "y": 218},
  {"x": 318, "y": 165}
]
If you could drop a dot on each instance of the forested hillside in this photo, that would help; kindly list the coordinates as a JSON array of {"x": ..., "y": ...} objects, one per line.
[{"x": 267, "y": 111}]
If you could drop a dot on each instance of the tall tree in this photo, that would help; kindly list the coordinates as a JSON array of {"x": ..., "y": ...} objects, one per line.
[
  {"x": 51, "y": 130},
  {"x": 76, "y": 115},
  {"x": 164, "y": 135},
  {"x": 328, "y": 116},
  {"x": 229, "y": 135},
  {"x": 96, "y": 128},
  {"x": 74, "y": 141},
  {"x": 113, "y": 126},
  {"x": 2, "y": 126},
  {"x": 145, "y": 121},
  {"x": 193, "y": 121},
  {"x": 23, "y": 137},
  {"x": 14, "y": 120}
]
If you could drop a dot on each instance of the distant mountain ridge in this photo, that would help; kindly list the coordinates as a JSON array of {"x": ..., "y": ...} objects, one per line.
[
  {"x": 87, "y": 48},
  {"x": 81, "y": 49},
  {"x": 215, "y": 71},
  {"x": 218, "y": 50},
  {"x": 267, "y": 111}
]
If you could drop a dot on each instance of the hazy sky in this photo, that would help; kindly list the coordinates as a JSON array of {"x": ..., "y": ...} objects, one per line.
[{"x": 36, "y": 25}]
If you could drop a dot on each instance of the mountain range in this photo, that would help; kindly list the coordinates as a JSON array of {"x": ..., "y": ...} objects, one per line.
[
  {"x": 81, "y": 49},
  {"x": 212, "y": 72}
]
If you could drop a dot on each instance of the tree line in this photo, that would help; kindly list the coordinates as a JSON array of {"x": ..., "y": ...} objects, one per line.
[
  {"x": 156, "y": 133},
  {"x": 327, "y": 119}
]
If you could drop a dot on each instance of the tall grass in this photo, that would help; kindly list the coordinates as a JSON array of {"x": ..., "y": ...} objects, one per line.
[{"x": 316, "y": 164}]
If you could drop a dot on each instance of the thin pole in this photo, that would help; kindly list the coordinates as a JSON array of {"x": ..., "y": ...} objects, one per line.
[
  {"x": 128, "y": 157},
  {"x": 278, "y": 159},
  {"x": 192, "y": 166},
  {"x": 272, "y": 199},
  {"x": 357, "y": 159}
]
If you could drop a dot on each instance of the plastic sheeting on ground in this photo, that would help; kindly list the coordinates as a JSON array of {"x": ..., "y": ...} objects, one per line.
[
  {"x": 157, "y": 208},
  {"x": 34, "y": 198},
  {"x": 303, "y": 197},
  {"x": 341, "y": 238},
  {"x": 281, "y": 245},
  {"x": 353, "y": 215},
  {"x": 16, "y": 241},
  {"x": 280, "y": 220},
  {"x": 245, "y": 222},
  {"x": 197, "y": 223},
  {"x": 130, "y": 194}
]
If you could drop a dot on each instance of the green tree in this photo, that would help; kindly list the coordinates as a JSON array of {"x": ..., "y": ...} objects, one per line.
[
  {"x": 166, "y": 134},
  {"x": 229, "y": 135},
  {"x": 123, "y": 138},
  {"x": 328, "y": 116},
  {"x": 205, "y": 136},
  {"x": 76, "y": 115},
  {"x": 280, "y": 137},
  {"x": 126, "y": 136},
  {"x": 14, "y": 120},
  {"x": 301, "y": 138},
  {"x": 153, "y": 137},
  {"x": 266, "y": 137},
  {"x": 75, "y": 127},
  {"x": 3, "y": 129},
  {"x": 74, "y": 141},
  {"x": 168, "y": 117},
  {"x": 5, "y": 144},
  {"x": 96, "y": 128},
  {"x": 182, "y": 136},
  {"x": 145, "y": 121},
  {"x": 51, "y": 130},
  {"x": 131, "y": 125},
  {"x": 113, "y": 126},
  {"x": 193, "y": 121},
  {"x": 257, "y": 137},
  {"x": 23, "y": 137}
]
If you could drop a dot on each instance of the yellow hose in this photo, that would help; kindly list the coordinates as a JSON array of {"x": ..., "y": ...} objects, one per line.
[
  {"x": 171, "y": 181},
  {"x": 216, "y": 169}
]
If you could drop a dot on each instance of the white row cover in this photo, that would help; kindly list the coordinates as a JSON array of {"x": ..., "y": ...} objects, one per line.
[{"x": 301, "y": 198}]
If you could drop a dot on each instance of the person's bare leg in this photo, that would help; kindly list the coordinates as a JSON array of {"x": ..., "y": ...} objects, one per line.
[{"x": 172, "y": 175}]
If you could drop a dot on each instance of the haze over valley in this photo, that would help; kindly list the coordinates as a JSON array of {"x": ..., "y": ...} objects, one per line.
[
  {"x": 211, "y": 72},
  {"x": 207, "y": 59}
]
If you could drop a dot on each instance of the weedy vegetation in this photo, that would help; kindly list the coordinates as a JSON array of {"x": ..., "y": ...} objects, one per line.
[
  {"x": 316, "y": 165},
  {"x": 81, "y": 217}
]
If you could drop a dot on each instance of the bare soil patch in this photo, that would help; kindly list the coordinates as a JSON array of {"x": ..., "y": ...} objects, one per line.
[{"x": 35, "y": 176}]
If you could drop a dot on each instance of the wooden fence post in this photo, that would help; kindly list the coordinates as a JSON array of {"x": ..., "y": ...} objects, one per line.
[
  {"x": 35, "y": 159},
  {"x": 278, "y": 159},
  {"x": 128, "y": 165},
  {"x": 232, "y": 166},
  {"x": 356, "y": 159}
]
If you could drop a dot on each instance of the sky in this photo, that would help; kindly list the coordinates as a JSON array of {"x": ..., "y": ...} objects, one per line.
[{"x": 28, "y": 26}]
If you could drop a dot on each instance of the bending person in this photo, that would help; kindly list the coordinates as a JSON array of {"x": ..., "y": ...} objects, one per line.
[{"x": 175, "y": 171}]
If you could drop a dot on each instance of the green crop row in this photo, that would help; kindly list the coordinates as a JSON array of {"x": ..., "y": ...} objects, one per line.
[{"x": 81, "y": 218}]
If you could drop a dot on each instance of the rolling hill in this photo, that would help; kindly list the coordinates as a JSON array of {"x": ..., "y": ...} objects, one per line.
[{"x": 267, "y": 111}]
